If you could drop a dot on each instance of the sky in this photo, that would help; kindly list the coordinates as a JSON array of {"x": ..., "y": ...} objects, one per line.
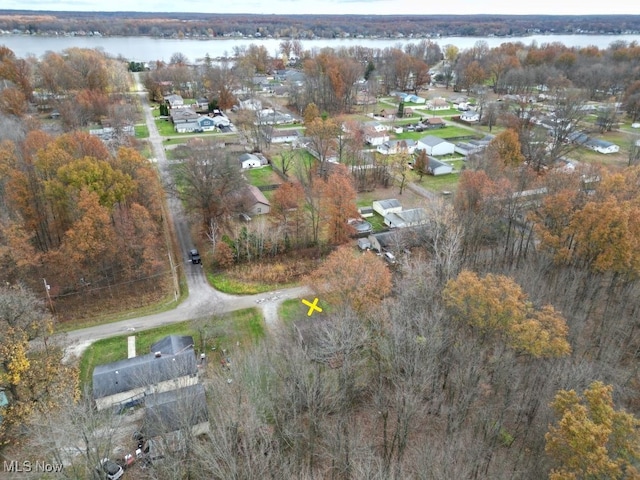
[{"x": 374, "y": 7}]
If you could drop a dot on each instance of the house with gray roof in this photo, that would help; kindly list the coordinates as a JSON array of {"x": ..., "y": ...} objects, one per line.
[
  {"x": 435, "y": 167},
  {"x": 597, "y": 145},
  {"x": 384, "y": 241},
  {"x": 435, "y": 146},
  {"x": 174, "y": 101},
  {"x": 170, "y": 365},
  {"x": 188, "y": 127},
  {"x": 173, "y": 410},
  {"x": 183, "y": 116},
  {"x": 406, "y": 218},
  {"x": 384, "y": 207},
  {"x": 251, "y": 160},
  {"x": 601, "y": 146}
]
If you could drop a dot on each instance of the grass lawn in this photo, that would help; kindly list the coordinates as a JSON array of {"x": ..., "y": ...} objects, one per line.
[
  {"x": 377, "y": 223},
  {"x": 244, "y": 326},
  {"x": 225, "y": 284},
  {"x": 142, "y": 131},
  {"x": 440, "y": 113},
  {"x": 166, "y": 128},
  {"x": 262, "y": 176},
  {"x": 446, "y": 132},
  {"x": 292, "y": 310},
  {"x": 437, "y": 184}
]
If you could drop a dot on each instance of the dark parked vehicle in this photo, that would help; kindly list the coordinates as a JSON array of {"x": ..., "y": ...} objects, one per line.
[{"x": 194, "y": 256}]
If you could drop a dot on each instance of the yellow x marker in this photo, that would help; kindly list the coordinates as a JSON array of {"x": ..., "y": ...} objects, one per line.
[{"x": 312, "y": 306}]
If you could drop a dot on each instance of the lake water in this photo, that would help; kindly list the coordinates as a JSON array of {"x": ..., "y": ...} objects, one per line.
[{"x": 146, "y": 49}]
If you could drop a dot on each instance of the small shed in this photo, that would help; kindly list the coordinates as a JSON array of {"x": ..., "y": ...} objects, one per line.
[
  {"x": 365, "y": 212},
  {"x": 250, "y": 160},
  {"x": 384, "y": 207},
  {"x": 436, "y": 167},
  {"x": 364, "y": 244}
]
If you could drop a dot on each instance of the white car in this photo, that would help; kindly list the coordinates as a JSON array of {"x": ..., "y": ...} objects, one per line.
[{"x": 111, "y": 469}]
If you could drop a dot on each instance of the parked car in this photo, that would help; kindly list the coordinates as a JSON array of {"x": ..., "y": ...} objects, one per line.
[
  {"x": 389, "y": 257},
  {"x": 194, "y": 256},
  {"x": 111, "y": 469}
]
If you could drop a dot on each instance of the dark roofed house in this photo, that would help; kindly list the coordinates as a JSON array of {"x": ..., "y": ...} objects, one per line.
[
  {"x": 173, "y": 410},
  {"x": 384, "y": 241},
  {"x": 183, "y": 116},
  {"x": 172, "y": 344},
  {"x": 171, "y": 365},
  {"x": 435, "y": 122}
]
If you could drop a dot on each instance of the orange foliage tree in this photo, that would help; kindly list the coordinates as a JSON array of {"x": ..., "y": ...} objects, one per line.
[
  {"x": 338, "y": 205},
  {"x": 350, "y": 279},
  {"x": 496, "y": 307},
  {"x": 85, "y": 213},
  {"x": 599, "y": 231}
]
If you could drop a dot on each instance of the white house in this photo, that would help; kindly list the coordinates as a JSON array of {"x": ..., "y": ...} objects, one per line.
[
  {"x": 438, "y": 104},
  {"x": 284, "y": 136},
  {"x": 601, "y": 146},
  {"x": 374, "y": 137},
  {"x": 470, "y": 116},
  {"x": 251, "y": 104},
  {"x": 221, "y": 121},
  {"x": 188, "y": 127},
  {"x": 376, "y": 126},
  {"x": 436, "y": 167},
  {"x": 385, "y": 207},
  {"x": 249, "y": 160},
  {"x": 435, "y": 146},
  {"x": 406, "y": 218}
]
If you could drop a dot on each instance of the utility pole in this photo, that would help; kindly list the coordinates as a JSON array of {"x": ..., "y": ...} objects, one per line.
[
  {"x": 176, "y": 285},
  {"x": 47, "y": 287}
]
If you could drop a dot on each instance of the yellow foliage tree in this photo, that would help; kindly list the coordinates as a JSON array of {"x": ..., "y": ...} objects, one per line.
[
  {"x": 496, "y": 306},
  {"x": 592, "y": 440},
  {"x": 32, "y": 374}
]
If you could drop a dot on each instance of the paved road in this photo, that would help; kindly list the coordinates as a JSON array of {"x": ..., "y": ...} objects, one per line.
[{"x": 202, "y": 298}]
